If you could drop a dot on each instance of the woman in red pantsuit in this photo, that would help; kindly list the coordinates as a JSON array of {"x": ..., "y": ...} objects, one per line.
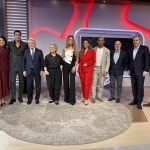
[
  {"x": 4, "y": 70},
  {"x": 86, "y": 68}
]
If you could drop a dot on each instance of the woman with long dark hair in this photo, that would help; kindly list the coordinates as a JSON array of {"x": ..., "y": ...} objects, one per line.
[
  {"x": 70, "y": 56},
  {"x": 86, "y": 68},
  {"x": 4, "y": 70}
]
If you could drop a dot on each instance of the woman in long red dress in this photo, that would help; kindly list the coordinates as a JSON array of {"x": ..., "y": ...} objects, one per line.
[
  {"x": 4, "y": 70},
  {"x": 86, "y": 68}
]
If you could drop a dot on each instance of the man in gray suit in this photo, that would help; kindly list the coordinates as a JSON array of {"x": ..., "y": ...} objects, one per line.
[
  {"x": 17, "y": 48},
  {"x": 100, "y": 69}
]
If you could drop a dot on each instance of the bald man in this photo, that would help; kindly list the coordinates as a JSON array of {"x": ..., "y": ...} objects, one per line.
[{"x": 117, "y": 66}]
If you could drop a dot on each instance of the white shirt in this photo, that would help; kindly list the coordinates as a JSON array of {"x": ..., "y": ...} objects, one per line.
[
  {"x": 135, "y": 50},
  {"x": 32, "y": 50},
  {"x": 116, "y": 56},
  {"x": 68, "y": 56},
  {"x": 99, "y": 54}
]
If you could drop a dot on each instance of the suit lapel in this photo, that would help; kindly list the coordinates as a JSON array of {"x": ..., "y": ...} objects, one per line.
[
  {"x": 113, "y": 57},
  {"x": 96, "y": 49},
  {"x": 104, "y": 51},
  {"x": 138, "y": 52},
  {"x": 119, "y": 56},
  {"x": 29, "y": 53}
]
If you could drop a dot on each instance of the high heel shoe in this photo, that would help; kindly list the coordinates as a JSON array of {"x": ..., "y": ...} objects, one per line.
[
  {"x": 85, "y": 102},
  {"x": 3, "y": 104}
]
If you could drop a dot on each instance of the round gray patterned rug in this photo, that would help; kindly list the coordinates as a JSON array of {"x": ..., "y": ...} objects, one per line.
[{"x": 65, "y": 124}]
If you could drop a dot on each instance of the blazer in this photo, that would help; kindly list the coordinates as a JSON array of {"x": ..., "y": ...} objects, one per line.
[
  {"x": 88, "y": 58},
  {"x": 140, "y": 63},
  {"x": 37, "y": 65},
  {"x": 16, "y": 54},
  {"x": 118, "y": 68},
  {"x": 105, "y": 62}
]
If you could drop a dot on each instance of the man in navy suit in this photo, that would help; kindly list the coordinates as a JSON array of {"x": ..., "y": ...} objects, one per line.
[
  {"x": 116, "y": 69},
  {"x": 138, "y": 66},
  {"x": 33, "y": 62}
]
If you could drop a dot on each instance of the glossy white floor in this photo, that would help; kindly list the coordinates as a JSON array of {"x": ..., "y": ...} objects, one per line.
[{"x": 138, "y": 133}]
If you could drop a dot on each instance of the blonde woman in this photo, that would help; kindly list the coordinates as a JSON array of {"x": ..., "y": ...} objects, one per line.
[{"x": 70, "y": 56}]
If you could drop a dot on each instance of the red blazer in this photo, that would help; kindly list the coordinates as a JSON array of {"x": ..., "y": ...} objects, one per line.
[{"x": 89, "y": 58}]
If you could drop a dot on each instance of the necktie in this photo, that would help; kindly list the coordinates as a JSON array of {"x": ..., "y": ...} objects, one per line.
[{"x": 32, "y": 54}]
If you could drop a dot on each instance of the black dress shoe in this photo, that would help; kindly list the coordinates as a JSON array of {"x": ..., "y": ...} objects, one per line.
[
  {"x": 12, "y": 101},
  {"x": 20, "y": 100},
  {"x": 67, "y": 101},
  {"x": 37, "y": 102},
  {"x": 117, "y": 100},
  {"x": 146, "y": 105},
  {"x": 111, "y": 99},
  {"x": 28, "y": 102},
  {"x": 73, "y": 103},
  {"x": 57, "y": 102},
  {"x": 132, "y": 103},
  {"x": 139, "y": 106}
]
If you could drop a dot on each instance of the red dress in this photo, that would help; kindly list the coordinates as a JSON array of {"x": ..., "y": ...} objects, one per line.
[
  {"x": 4, "y": 72},
  {"x": 85, "y": 72}
]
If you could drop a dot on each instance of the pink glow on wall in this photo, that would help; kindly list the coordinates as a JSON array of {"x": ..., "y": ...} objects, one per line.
[
  {"x": 129, "y": 23},
  {"x": 71, "y": 21},
  {"x": 44, "y": 29}
]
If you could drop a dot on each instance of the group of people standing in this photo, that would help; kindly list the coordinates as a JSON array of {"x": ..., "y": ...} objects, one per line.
[{"x": 21, "y": 59}]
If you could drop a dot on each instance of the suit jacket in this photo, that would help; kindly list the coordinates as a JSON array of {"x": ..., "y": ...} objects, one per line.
[
  {"x": 118, "y": 68},
  {"x": 37, "y": 65},
  {"x": 16, "y": 54},
  {"x": 89, "y": 58},
  {"x": 105, "y": 62},
  {"x": 141, "y": 61}
]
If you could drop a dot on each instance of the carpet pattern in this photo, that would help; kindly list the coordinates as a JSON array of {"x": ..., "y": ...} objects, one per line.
[{"x": 65, "y": 124}]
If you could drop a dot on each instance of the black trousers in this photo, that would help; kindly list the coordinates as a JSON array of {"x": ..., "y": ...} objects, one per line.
[
  {"x": 54, "y": 81},
  {"x": 69, "y": 85},
  {"x": 30, "y": 86},
  {"x": 25, "y": 85},
  {"x": 12, "y": 79},
  {"x": 137, "y": 88}
]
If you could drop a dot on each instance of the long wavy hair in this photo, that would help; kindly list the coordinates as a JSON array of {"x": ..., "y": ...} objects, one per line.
[
  {"x": 74, "y": 46},
  {"x": 82, "y": 46}
]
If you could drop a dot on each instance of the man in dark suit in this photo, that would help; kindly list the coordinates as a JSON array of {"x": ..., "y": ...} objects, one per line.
[
  {"x": 33, "y": 68},
  {"x": 138, "y": 66},
  {"x": 17, "y": 48},
  {"x": 116, "y": 69}
]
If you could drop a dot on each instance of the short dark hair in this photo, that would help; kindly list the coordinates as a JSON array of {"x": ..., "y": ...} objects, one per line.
[
  {"x": 17, "y": 31},
  {"x": 100, "y": 37},
  {"x": 4, "y": 38}
]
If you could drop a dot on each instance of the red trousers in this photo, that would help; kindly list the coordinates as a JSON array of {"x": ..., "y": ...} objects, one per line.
[{"x": 86, "y": 83}]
